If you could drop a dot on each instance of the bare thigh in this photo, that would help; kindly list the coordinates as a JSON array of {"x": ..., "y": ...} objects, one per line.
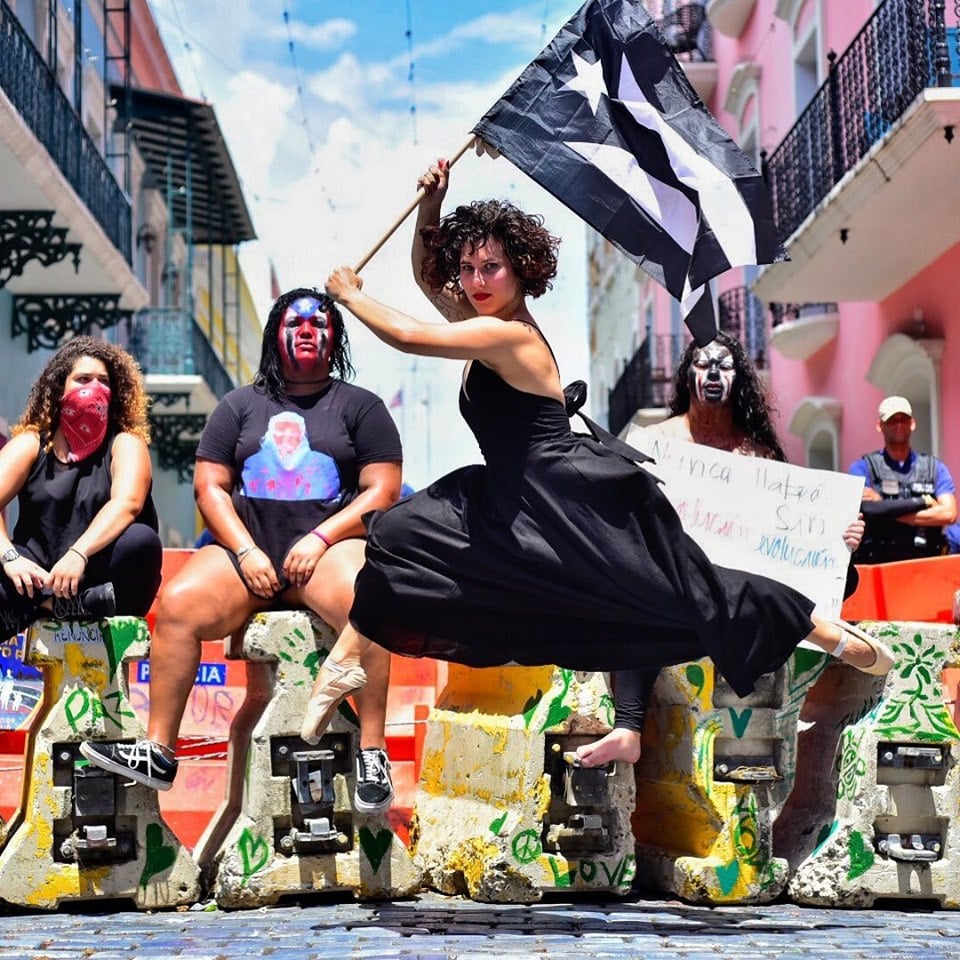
[
  {"x": 329, "y": 591},
  {"x": 207, "y": 598}
]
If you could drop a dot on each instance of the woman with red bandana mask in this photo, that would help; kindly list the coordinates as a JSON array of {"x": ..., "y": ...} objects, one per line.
[
  {"x": 286, "y": 468},
  {"x": 85, "y": 545}
]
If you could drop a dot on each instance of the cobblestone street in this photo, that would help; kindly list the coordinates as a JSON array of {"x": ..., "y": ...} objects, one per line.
[{"x": 440, "y": 928}]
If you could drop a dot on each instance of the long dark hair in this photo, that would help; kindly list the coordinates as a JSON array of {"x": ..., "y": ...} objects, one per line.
[
  {"x": 748, "y": 399},
  {"x": 270, "y": 375},
  {"x": 128, "y": 400}
]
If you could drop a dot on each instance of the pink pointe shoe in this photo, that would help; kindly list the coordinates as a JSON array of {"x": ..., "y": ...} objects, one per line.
[
  {"x": 883, "y": 660},
  {"x": 341, "y": 683}
]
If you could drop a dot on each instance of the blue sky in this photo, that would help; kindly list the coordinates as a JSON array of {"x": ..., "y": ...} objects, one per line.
[{"x": 327, "y": 170}]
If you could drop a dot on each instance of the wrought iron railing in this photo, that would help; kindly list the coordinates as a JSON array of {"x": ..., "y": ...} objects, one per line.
[
  {"x": 646, "y": 379},
  {"x": 788, "y": 312},
  {"x": 170, "y": 342},
  {"x": 33, "y": 90},
  {"x": 902, "y": 49},
  {"x": 741, "y": 314},
  {"x": 688, "y": 33}
]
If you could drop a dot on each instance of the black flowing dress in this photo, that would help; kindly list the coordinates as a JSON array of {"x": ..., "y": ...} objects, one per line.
[{"x": 560, "y": 551}]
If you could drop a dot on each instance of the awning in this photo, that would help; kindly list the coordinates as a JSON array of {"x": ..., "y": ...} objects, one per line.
[{"x": 186, "y": 132}]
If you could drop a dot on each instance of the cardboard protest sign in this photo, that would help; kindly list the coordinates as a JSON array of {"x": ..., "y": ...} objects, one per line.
[{"x": 782, "y": 521}]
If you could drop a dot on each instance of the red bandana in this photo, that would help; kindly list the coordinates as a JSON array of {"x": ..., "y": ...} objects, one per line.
[{"x": 83, "y": 419}]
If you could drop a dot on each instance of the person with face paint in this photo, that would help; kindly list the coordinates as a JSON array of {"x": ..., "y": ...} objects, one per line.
[
  {"x": 560, "y": 548},
  {"x": 285, "y": 470},
  {"x": 85, "y": 544},
  {"x": 719, "y": 401}
]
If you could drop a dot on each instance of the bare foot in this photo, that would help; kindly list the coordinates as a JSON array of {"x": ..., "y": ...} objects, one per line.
[{"x": 618, "y": 744}]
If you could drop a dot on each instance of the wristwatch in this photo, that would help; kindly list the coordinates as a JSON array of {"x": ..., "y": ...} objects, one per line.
[{"x": 10, "y": 555}]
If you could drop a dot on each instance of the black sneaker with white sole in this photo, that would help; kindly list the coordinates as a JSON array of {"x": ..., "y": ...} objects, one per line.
[
  {"x": 374, "y": 790},
  {"x": 143, "y": 761},
  {"x": 94, "y": 603}
]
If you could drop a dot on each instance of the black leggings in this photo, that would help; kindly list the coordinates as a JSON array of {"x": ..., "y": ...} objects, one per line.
[{"x": 131, "y": 563}]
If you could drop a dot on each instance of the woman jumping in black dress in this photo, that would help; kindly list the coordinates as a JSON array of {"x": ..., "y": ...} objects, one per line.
[{"x": 559, "y": 550}]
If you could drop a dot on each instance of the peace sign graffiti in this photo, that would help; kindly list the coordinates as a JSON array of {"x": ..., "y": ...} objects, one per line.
[{"x": 527, "y": 846}]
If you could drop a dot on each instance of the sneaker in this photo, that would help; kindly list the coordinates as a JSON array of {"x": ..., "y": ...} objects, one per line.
[
  {"x": 374, "y": 790},
  {"x": 20, "y": 613},
  {"x": 341, "y": 682},
  {"x": 143, "y": 761},
  {"x": 94, "y": 603}
]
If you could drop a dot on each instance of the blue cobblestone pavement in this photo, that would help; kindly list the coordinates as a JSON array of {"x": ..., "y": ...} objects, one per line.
[{"x": 443, "y": 928}]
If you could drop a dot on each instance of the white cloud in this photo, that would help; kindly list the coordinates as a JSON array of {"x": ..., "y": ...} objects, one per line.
[
  {"x": 321, "y": 36},
  {"x": 313, "y": 212}
]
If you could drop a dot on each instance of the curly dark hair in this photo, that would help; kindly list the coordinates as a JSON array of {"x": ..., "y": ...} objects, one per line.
[
  {"x": 270, "y": 374},
  {"x": 531, "y": 249},
  {"x": 128, "y": 400},
  {"x": 748, "y": 398}
]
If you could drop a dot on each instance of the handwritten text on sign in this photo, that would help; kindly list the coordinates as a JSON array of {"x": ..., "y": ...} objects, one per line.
[{"x": 762, "y": 516}]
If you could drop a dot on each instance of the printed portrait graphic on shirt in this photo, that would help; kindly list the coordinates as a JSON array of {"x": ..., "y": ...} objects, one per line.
[{"x": 286, "y": 468}]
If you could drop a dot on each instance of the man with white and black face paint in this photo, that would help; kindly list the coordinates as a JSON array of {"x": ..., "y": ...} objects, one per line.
[{"x": 712, "y": 373}]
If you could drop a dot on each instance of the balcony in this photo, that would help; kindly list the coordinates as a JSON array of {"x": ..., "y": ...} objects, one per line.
[
  {"x": 741, "y": 315},
  {"x": 800, "y": 329},
  {"x": 35, "y": 109},
  {"x": 644, "y": 384},
  {"x": 860, "y": 184},
  {"x": 689, "y": 36},
  {"x": 729, "y": 16},
  {"x": 181, "y": 369}
]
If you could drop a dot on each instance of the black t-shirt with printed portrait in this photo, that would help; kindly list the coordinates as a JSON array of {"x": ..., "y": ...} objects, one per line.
[{"x": 297, "y": 460}]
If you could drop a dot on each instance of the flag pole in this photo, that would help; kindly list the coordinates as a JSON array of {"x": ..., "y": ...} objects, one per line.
[{"x": 421, "y": 193}]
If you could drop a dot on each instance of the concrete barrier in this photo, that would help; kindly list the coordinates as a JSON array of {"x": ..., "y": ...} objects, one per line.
[
  {"x": 714, "y": 772},
  {"x": 501, "y": 815},
  {"x": 287, "y": 825},
  {"x": 82, "y": 833},
  {"x": 881, "y": 820}
]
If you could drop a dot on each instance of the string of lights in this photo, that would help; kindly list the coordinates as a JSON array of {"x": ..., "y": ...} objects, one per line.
[
  {"x": 188, "y": 48},
  {"x": 291, "y": 48},
  {"x": 410, "y": 72}
]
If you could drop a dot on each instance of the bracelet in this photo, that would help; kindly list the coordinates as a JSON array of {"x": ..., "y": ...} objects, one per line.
[
  {"x": 323, "y": 537},
  {"x": 243, "y": 551},
  {"x": 79, "y": 553}
]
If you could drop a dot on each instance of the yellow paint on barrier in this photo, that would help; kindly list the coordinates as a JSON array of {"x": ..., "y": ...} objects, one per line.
[
  {"x": 470, "y": 859},
  {"x": 494, "y": 690},
  {"x": 542, "y": 796},
  {"x": 91, "y": 670},
  {"x": 500, "y": 739}
]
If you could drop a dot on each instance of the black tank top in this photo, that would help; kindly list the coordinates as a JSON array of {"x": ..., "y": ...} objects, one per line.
[{"x": 59, "y": 500}]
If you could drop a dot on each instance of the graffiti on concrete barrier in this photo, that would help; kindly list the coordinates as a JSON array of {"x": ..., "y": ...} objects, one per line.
[
  {"x": 83, "y": 705},
  {"x": 916, "y": 708},
  {"x": 158, "y": 856},
  {"x": 861, "y": 856},
  {"x": 853, "y": 766},
  {"x": 374, "y": 845},
  {"x": 526, "y": 846},
  {"x": 254, "y": 854},
  {"x": 619, "y": 873}
]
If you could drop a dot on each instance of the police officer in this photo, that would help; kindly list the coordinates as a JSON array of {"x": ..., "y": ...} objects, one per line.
[{"x": 908, "y": 497}]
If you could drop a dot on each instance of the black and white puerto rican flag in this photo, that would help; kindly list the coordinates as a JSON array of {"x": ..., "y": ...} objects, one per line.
[{"x": 606, "y": 121}]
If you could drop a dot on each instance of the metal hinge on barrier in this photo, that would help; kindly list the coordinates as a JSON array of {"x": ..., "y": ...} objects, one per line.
[
  {"x": 580, "y": 809},
  {"x": 314, "y": 825},
  {"x": 924, "y": 847},
  {"x": 93, "y": 833},
  {"x": 912, "y": 756}
]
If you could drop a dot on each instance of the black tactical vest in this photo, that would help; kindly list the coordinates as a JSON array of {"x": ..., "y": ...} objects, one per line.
[{"x": 888, "y": 540}]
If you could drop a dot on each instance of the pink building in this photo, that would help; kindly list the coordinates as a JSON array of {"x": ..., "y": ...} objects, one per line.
[{"x": 852, "y": 110}]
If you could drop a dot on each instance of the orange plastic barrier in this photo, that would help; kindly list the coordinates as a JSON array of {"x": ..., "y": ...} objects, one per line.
[{"x": 907, "y": 590}]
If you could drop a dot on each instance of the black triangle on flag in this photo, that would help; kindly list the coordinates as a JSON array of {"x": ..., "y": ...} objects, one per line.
[{"x": 606, "y": 120}]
